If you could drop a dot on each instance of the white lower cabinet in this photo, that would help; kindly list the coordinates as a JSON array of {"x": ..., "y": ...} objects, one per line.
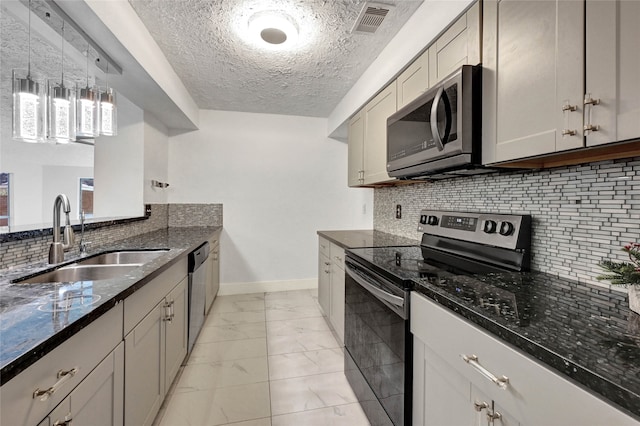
[
  {"x": 98, "y": 399},
  {"x": 154, "y": 350},
  {"x": 449, "y": 391},
  {"x": 67, "y": 367},
  {"x": 213, "y": 274},
  {"x": 331, "y": 284}
]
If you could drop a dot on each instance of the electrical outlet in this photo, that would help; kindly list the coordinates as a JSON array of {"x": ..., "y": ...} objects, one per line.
[{"x": 398, "y": 211}]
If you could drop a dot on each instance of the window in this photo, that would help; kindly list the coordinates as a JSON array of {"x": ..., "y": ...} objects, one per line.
[
  {"x": 86, "y": 196},
  {"x": 5, "y": 207}
]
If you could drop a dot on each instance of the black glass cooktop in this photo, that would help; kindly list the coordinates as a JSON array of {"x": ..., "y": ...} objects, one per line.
[{"x": 488, "y": 287}]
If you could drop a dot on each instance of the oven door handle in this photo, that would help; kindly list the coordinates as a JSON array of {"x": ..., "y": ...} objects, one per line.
[{"x": 378, "y": 292}]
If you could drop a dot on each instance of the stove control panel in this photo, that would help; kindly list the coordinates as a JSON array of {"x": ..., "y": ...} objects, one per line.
[{"x": 500, "y": 230}]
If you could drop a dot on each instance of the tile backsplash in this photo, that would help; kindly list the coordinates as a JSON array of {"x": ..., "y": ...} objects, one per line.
[
  {"x": 36, "y": 249},
  {"x": 581, "y": 214}
]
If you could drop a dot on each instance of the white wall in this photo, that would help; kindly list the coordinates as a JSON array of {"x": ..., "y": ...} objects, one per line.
[
  {"x": 280, "y": 180},
  {"x": 119, "y": 166},
  {"x": 156, "y": 160}
]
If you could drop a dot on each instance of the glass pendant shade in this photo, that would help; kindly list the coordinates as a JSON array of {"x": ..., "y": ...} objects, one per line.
[
  {"x": 61, "y": 116},
  {"x": 108, "y": 113},
  {"x": 87, "y": 113},
  {"x": 29, "y": 108}
]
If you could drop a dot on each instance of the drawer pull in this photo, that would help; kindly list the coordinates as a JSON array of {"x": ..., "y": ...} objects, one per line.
[
  {"x": 502, "y": 382},
  {"x": 63, "y": 376}
]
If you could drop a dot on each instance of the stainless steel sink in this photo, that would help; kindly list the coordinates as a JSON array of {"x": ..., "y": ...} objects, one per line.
[
  {"x": 123, "y": 257},
  {"x": 82, "y": 273}
]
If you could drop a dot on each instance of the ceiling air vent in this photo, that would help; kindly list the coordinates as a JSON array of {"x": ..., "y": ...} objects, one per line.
[{"x": 370, "y": 17}]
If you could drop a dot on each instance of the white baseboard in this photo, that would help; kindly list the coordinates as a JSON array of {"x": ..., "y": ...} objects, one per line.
[{"x": 227, "y": 289}]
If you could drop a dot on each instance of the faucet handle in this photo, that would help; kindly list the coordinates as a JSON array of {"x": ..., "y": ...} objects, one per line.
[{"x": 83, "y": 247}]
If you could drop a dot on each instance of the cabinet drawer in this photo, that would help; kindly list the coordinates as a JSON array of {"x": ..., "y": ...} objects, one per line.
[
  {"x": 337, "y": 255},
  {"x": 535, "y": 394},
  {"x": 323, "y": 247},
  {"x": 140, "y": 303},
  {"x": 84, "y": 351}
]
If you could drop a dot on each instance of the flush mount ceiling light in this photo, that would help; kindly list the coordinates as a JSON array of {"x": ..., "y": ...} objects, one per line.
[{"x": 273, "y": 30}]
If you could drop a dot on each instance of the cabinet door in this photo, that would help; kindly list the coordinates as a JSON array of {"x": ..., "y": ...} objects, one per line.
[
  {"x": 145, "y": 368},
  {"x": 457, "y": 46},
  {"x": 375, "y": 135},
  {"x": 413, "y": 81},
  {"x": 440, "y": 393},
  {"x": 533, "y": 77},
  {"x": 337, "y": 300},
  {"x": 176, "y": 331},
  {"x": 98, "y": 399},
  {"x": 324, "y": 283},
  {"x": 356, "y": 145},
  {"x": 613, "y": 70}
]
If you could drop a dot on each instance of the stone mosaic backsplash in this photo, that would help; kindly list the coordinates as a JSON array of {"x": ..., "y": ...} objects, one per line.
[
  {"x": 581, "y": 214},
  {"x": 181, "y": 215},
  {"x": 29, "y": 250}
]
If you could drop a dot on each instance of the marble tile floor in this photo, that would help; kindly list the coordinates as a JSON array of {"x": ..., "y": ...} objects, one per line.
[{"x": 263, "y": 359}]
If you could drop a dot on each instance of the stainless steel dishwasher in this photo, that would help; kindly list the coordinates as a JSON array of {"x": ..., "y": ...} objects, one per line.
[{"x": 197, "y": 289}]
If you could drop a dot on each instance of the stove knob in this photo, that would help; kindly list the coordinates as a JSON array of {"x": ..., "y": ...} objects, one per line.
[
  {"x": 432, "y": 220},
  {"x": 490, "y": 226},
  {"x": 423, "y": 219},
  {"x": 506, "y": 228}
]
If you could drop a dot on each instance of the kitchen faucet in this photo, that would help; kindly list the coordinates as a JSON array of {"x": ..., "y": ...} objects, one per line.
[{"x": 57, "y": 248}]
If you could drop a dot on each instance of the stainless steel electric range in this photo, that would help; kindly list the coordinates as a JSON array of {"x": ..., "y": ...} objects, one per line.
[{"x": 471, "y": 247}]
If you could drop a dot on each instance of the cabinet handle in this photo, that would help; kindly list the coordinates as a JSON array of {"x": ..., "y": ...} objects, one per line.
[
  {"x": 168, "y": 311},
  {"x": 567, "y": 107},
  {"x": 567, "y": 132},
  {"x": 327, "y": 263},
  {"x": 327, "y": 271},
  {"x": 215, "y": 255},
  {"x": 588, "y": 100},
  {"x": 338, "y": 258},
  {"x": 67, "y": 421},
  {"x": 502, "y": 382},
  {"x": 479, "y": 406},
  {"x": 591, "y": 128},
  {"x": 493, "y": 416},
  {"x": 63, "y": 376}
]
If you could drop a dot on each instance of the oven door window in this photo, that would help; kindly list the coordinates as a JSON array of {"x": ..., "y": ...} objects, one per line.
[{"x": 375, "y": 338}]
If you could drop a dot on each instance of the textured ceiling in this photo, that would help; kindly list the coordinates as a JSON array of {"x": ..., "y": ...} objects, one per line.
[{"x": 205, "y": 42}]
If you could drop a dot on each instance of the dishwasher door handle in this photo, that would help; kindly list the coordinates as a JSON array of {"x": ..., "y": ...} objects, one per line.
[{"x": 378, "y": 292}]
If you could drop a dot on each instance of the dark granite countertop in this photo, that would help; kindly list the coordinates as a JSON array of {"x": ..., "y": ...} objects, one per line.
[
  {"x": 29, "y": 328},
  {"x": 583, "y": 331},
  {"x": 366, "y": 238}
]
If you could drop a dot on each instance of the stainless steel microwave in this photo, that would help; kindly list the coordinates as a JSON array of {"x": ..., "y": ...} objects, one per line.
[{"x": 438, "y": 134}]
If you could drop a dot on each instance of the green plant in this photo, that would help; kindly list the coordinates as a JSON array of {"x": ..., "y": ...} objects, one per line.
[{"x": 623, "y": 273}]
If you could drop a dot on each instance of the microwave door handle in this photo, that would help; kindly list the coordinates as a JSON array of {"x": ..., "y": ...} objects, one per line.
[{"x": 434, "y": 119}]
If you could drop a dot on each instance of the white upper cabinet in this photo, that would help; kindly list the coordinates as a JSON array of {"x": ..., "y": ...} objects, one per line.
[
  {"x": 612, "y": 71},
  {"x": 413, "y": 81},
  {"x": 375, "y": 135},
  {"x": 458, "y": 45},
  {"x": 356, "y": 145},
  {"x": 533, "y": 77}
]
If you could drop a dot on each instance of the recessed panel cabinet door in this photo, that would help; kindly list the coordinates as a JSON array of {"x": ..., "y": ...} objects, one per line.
[
  {"x": 145, "y": 369},
  {"x": 356, "y": 144},
  {"x": 375, "y": 135},
  {"x": 612, "y": 71},
  {"x": 534, "y": 71},
  {"x": 413, "y": 81},
  {"x": 176, "y": 331}
]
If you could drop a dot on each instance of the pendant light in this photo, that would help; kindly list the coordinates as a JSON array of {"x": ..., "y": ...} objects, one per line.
[
  {"x": 29, "y": 103},
  {"x": 108, "y": 116},
  {"x": 87, "y": 110},
  {"x": 61, "y": 118}
]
